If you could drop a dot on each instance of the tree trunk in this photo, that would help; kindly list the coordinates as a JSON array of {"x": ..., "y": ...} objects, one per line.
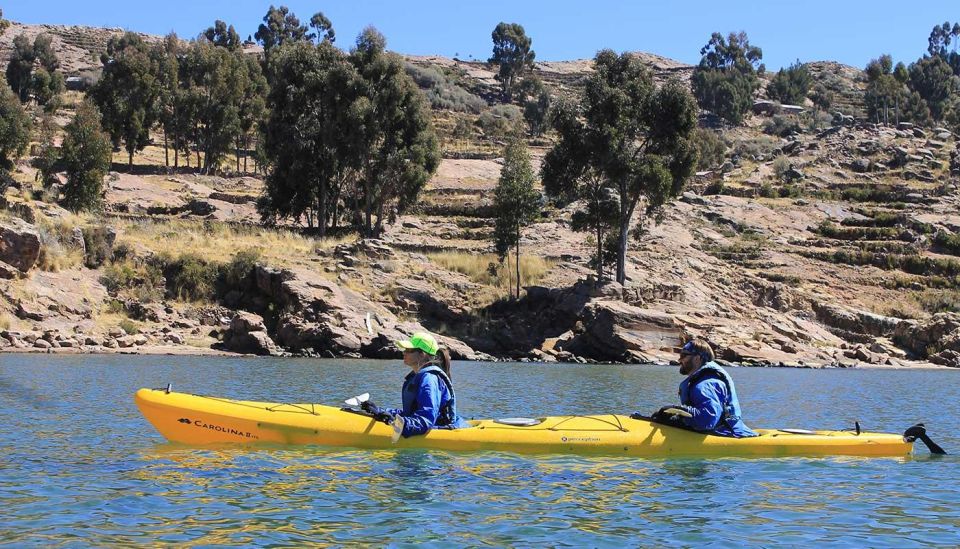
[
  {"x": 322, "y": 208},
  {"x": 518, "y": 261},
  {"x": 130, "y": 158},
  {"x": 166, "y": 151}
]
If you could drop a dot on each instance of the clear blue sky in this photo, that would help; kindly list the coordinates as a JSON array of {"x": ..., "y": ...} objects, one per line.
[{"x": 851, "y": 32}]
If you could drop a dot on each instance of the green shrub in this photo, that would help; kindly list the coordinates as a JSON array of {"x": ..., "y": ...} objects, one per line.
[
  {"x": 767, "y": 191},
  {"x": 98, "y": 242},
  {"x": 240, "y": 267},
  {"x": 130, "y": 326},
  {"x": 780, "y": 167},
  {"x": 141, "y": 280},
  {"x": 502, "y": 120},
  {"x": 781, "y": 126},
  {"x": 711, "y": 148},
  {"x": 444, "y": 93},
  {"x": 948, "y": 242},
  {"x": 757, "y": 147},
  {"x": 191, "y": 278}
]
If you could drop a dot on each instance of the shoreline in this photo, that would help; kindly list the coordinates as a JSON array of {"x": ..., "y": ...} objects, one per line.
[{"x": 182, "y": 350}]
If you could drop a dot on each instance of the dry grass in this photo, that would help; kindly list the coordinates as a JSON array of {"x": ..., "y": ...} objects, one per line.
[
  {"x": 5, "y": 321},
  {"x": 486, "y": 268},
  {"x": 219, "y": 241}
]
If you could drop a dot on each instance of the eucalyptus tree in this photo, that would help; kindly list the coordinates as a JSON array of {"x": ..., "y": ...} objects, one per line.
[
  {"x": 128, "y": 91},
  {"x": 512, "y": 53},
  {"x": 306, "y": 134},
  {"x": 725, "y": 80},
  {"x": 14, "y": 128},
  {"x": 392, "y": 130},
  {"x": 630, "y": 136},
  {"x": 515, "y": 201},
  {"x": 85, "y": 156}
]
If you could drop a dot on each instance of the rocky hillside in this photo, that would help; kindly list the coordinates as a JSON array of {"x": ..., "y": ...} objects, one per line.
[{"x": 819, "y": 240}]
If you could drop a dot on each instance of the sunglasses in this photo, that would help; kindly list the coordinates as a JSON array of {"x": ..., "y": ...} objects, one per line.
[{"x": 682, "y": 354}]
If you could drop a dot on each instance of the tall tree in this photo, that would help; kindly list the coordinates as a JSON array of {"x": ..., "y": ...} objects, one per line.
[
  {"x": 885, "y": 93},
  {"x": 127, "y": 92},
  {"x": 394, "y": 131},
  {"x": 306, "y": 136},
  {"x": 14, "y": 128},
  {"x": 215, "y": 78},
  {"x": 511, "y": 51},
  {"x": 223, "y": 36},
  {"x": 280, "y": 26},
  {"x": 322, "y": 27},
  {"x": 726, "y": 79},
  {"x": 166, "y": 57},
  {"x": 20, "y": 67},
  {"x": 86, "y": 159},
  {"x": 4, "y": 24},
  {"x": 637, "y": 139},
  {"x": 790, "y": 85},
  {"x": 933, "y": 78},
  {"x": 251, "y": 106},
  {"x": 515, "y": 201}
]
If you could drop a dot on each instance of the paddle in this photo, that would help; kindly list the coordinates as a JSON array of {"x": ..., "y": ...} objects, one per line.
[
  {"x": 357, "y": 400},
  {"x": 397, "y": 422}
]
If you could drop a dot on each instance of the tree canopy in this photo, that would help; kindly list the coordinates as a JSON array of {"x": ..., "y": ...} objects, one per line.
[
  {"x": 127, "y": 92},
  {"x": 628, "y": 136},
  {"x": 14, "y": 127},
  {"x": 512, "y": 53},
  {"x": 85, "y": 156},
  {"x": 515, "y": 201},
  {"x": 790, "y": 85},
  {"x": 726, "y": 79}
]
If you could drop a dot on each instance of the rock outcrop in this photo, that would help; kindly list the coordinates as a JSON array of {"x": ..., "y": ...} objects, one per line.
[
  {"x": 248, "y": 334},
  {"x": 19, "y": 244},
  {"x": 319, "y": 317}
]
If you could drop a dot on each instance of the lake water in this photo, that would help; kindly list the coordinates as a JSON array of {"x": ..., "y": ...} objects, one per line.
[{"x": 79, "y": 466}]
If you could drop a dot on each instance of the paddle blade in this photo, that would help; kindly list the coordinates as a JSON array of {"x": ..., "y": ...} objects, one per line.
[
  {"x": 357, "y": 400},
  {"x": 397, "y": 424}
]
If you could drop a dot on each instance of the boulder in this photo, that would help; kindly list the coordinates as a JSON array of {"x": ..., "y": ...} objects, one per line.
[
  {"x": 19, "y": 244},
  {"x": 616, "y": 331},
  {"x": 930, "y": 337},
  {"x": 857, "y": 322},
  {"x": 9, "y": 271},
  {"x": 248, "y": 334}
]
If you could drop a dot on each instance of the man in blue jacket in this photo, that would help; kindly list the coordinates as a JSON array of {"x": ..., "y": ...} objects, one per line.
[{"x": 707, "y": 395}]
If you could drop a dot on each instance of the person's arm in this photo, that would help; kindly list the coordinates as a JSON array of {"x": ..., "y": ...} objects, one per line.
[
  {"x": 424, "y": 417},
  {"x": 707, "y": 398}
]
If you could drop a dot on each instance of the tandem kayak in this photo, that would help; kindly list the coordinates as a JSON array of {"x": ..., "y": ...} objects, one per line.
[{"x": 197, "y": 420}]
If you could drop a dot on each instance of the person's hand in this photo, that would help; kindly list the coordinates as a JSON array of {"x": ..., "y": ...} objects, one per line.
[
  {"x": 377, "y": 412},
  {"x": 672, "y": 411},
  {"x": 383, "y": 417},
  {"x": 638, "y": 415}
]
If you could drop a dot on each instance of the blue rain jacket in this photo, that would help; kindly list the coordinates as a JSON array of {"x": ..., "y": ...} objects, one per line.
[
  {"x": 428, "y": 402},
  {"x": 709, "y": 394}
]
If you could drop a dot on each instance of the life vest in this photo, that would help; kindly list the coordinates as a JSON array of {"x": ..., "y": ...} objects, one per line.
[
  {"x": 448, "y": 410},
  {"x": 731, "y": 408}
]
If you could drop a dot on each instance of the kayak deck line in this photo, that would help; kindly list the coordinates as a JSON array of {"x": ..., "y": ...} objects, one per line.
[{"x": 200, "y": 420}]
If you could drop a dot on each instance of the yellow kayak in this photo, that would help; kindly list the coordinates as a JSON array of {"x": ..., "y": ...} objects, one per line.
[{"x": 197, "y": 420}]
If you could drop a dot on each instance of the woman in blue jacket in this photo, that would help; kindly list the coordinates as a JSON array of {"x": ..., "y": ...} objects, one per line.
[{"x": 429, "y": 401}]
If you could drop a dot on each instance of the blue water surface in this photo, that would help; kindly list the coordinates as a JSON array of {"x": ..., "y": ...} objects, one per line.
[{"x": 79, "y": 466}]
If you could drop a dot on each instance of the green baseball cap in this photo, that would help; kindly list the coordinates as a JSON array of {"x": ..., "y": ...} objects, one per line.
[{"x": 420, "y": 340}]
